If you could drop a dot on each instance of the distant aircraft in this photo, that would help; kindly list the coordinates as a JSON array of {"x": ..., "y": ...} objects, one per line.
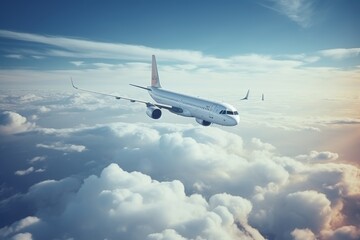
[{"x": 204, "y": 111}]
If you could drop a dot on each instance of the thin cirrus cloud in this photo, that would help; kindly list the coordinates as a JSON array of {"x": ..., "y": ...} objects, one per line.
[
  {"x": 82, "y": 48},
  {"x": 298, "y": 11}
]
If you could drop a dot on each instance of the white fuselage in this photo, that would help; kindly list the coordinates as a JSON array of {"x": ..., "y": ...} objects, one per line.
[{"x": 201, "y": 109}]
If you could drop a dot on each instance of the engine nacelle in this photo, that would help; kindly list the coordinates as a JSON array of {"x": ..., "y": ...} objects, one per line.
[
  {"x": 153, "y": 112},
  {"x": 203, "y": 122}
]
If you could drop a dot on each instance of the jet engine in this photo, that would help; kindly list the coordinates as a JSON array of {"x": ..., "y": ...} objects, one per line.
[
  {"x": 203, "y": 122},
  {"x": 153, "y": 112}
]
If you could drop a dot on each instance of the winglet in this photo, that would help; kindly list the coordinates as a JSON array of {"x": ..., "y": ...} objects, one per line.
[
  {"x": 262, "y": 97},
  {"x": 247, "y": 95},
  {"x": 72, "y": 83}
]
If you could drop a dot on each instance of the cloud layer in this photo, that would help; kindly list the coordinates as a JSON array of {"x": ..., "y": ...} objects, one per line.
[{"x": 184, "y": 182}]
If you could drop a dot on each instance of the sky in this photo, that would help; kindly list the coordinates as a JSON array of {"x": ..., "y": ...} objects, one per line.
[{"x": 81, "y": 166}]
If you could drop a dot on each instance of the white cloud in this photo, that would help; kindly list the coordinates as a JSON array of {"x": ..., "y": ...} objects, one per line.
[
  {"x": 14, "y": 56},
  {"x": 166, "y": 234},
  {"x": 38, "y": 57},
  {"x": 44, "y": 109},
  {"x": 299, "y": 11},
  {"x": 37, "y": 159},
  {"x": 88, "y": 49},
  {"x": 319, "y": 156},
  {"x": 340, "y": 53},
  {"x": 24, "y": 172},
  {"x": 29, "y": 98},
  {"x": 59, "y": 146},
  {"x": 77, "y": 63},
  {"x": 22, "y": 236},
  {"x": 174, "y": 160},
  {"x": 119, "y": 204},
  {"x": 18, "y": 226},
  {"x": 12, "y": 123},
  {"x": 300, "y": 234}
]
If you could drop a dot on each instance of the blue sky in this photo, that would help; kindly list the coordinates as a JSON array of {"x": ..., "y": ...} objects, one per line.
[
  {"x": 223, "y": 30},
  {"x": 79, "y": 166}
]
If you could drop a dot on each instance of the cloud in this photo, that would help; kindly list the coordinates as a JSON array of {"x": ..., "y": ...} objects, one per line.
[
  {"x": 319, "y": 156},
  {"x": 24, "y": 172},
  {"x": 299, "y": 11},
  {"x": 29, "y": 98},
  {"x": 37, "y": 159},
  {"x": 119, "y": 204},
  {"x": 344, "y": 233},
  {"x": 259, "y": 184},
  {"x": 87, "y": 49},
  {"x": 299, "y": 234},
  {"x": 22, "y": 236},
  {"x": 80, "y": 48},
  {"x": 44, "y": 109},
  {"x": 77, "y": 63},
  {"x": 214, "y": 182},
  {"x": 12, "y": 123},
  {"x": 343, "y": 121},
  {"x": 340, "y": 53},
  {"x": 14, "y": 56},
  {"x": 19, "y": 226},
  {"x": 59, "y": 146}
]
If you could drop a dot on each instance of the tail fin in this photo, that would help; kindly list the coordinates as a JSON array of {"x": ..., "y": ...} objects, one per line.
[
  {"x": 247, "y": 95},
  {"x": 155, "y": 82}
]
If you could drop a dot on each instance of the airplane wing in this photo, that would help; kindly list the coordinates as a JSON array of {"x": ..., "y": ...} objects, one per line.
[{"x": 124, "y": 98}]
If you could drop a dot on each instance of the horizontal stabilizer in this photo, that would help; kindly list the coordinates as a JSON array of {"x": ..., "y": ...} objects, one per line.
[{"x": 140, "y": 87}]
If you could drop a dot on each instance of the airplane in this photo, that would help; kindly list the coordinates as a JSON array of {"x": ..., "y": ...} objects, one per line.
[{"x": 204, "y": 111}]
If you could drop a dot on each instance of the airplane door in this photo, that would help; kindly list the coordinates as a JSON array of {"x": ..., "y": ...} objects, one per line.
[{"x": 211, "y": 111}]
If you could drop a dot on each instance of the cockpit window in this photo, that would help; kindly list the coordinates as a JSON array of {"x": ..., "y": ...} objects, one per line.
[{"x": 228, "y": 112}]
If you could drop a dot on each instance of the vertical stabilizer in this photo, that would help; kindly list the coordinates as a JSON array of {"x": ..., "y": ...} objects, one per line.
[{"x": 155, "y": 82}]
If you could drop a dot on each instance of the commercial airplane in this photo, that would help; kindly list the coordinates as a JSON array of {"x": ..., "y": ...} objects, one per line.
[{"x": 204, "y": 111}]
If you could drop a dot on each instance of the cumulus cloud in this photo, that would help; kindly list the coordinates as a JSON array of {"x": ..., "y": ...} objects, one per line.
[
  {"x": 119, "y": 204},
  {"x": 300, "y": 234},
  {"x": 211, "y": 183},
  {"x": 12, "y": 123}
]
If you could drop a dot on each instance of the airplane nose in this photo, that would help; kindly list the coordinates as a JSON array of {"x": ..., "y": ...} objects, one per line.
[
  {"x": 234, "y": 120},
  {"x": 237, "y": 120}
]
